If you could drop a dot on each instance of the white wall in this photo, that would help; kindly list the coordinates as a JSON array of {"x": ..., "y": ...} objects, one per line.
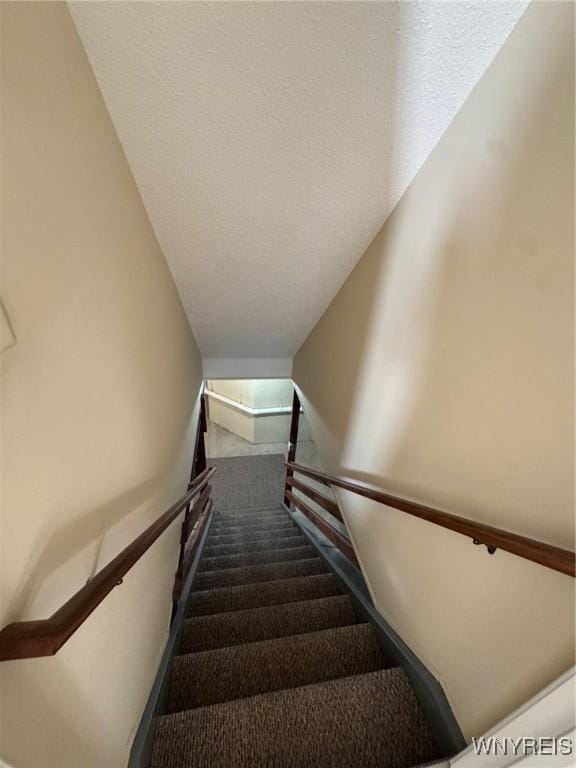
[
  {"x": 255, "y": 394},
  {"x": 443, "y": 371},
  {"x": 99, "y": 403},
  {"x": 273, "y": 393},
  {"x": 247, "y": 368},
  {"x": 231, "y": 419}
]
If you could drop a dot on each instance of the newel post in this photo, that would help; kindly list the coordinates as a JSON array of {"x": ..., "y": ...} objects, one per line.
[{"x": 292, "y": 445}]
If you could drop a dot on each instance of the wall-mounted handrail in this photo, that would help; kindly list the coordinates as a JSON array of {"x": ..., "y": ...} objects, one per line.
[
  {"x": 278, "y": 410},
  {"x": 30, "y": 639},
  {"x": 557, "y": 559},
  {"x": 332, "y": 534},
  {"x": 323, "y": 501}
]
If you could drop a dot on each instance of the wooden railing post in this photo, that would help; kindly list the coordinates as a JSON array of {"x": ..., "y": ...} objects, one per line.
[
  {"x": 199, "y": 465},
  {"x": 292, "y": 445}
]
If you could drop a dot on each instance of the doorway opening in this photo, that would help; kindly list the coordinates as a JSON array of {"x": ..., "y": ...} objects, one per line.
[{"x": 248, "y": 417}]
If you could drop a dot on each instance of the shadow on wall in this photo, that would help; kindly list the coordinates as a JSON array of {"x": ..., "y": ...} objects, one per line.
[
  {"x": 65, "y": 695},
  {"x": 460, "y": 354},
  {"x": 454, "y": 385},
  {"x": 76, "y": 742},
  {"x": 70, "y": 540},
  {"x": 333, "y": 404},
  {"x": 53, "y": 557}
]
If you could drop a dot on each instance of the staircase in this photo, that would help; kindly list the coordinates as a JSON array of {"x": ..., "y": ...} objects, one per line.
[{"x": 275, "y": 669}]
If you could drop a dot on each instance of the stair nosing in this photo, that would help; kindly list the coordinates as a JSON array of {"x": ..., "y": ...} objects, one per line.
[
  {"x": 243, "y": 567},
  {"x": 246, "y": 588},
  {"x": 383, "y": 671},
  {"x": 356, "y": 639},
  {"x": 265, "y": 607},
  {"x": 284, "y": 638},
  {"x": 256, "y": 554},
  {"x": 295, "y": 535}
]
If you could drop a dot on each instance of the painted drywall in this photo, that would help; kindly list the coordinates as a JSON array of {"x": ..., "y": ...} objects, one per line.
[
  {"x": 99, "y": 396},
  {"x": 257, "y": 427},
  {"x": 271, "y": 140},
  {"x": 266, "y": 393},
  {"x": 443, "y": 371},
  {"x": 247, "y": 368}
]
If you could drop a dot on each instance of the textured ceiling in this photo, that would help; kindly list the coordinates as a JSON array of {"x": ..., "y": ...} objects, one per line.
[{"x": 270, "y": 141}]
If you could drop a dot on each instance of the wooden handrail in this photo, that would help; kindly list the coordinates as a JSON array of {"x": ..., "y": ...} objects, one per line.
[
  {"x": 190, "y": 546},
  {"x": 329, "y": 505},
  {"x": 30, "y": 639},
  {"x": 557, "y": 559},
  {"x": 333, "y": 535}
]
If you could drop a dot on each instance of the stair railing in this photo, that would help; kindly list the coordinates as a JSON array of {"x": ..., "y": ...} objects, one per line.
[
  {"x": 561, "y": 560},
  {"x": 45, "y": 637}
]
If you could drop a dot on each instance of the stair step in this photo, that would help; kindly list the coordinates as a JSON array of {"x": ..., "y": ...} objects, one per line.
[
  {"x": 234, "y": 526},
  {"x": 252, "y": 574},
  {"x": 245, "y": 514},
  {"x": 212, "y": 677},
  {"x": 259, "y": 545},
  {"x": 252, "y": 532},
  {"x": 256, "y": 534},
  {"x": 370, "y": 720},
  {"x": 220, "y": 630},
  {"x": 253, "y": 558},
  {"x": 253, "y": 516},
  {"x": 228, "y": 599}
]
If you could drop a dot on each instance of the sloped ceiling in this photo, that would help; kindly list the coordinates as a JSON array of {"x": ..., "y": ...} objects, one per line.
[{"x": 270, "y": 141}]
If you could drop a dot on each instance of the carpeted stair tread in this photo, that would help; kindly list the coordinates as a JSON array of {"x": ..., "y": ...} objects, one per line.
[
  {"x": 239, "y": 536},
  {"x": 259, "y": 530},
  {"x": 247, "y": 511},
  {"x": 253, "y": 558},
  {"x": 248, "y": 482},
  {"x": 249, "y": 534},
  {"x": 252, "y": 532},
  {"x": 256, "y": 545},
  {"x": 273, "y": 667},
  {"x": 265, "y": 623},
  {"x": 246, "y": 514},
  {"x": 211, "y": 677},
  {"x": 251, "y": 527},
  {"x": 252, "y": 574},
  {"x": 251, "y": 516},
  {"x": 371, "y": 720},
  {"x": 280, "y": 592}
]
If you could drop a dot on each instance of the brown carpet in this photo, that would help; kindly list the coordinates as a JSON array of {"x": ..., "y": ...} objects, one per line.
[
  {"x": 222, "y": 629},
  {"x": 363, "y": 721},
  {"x": 210, "y": 677},
  {"x": 221, "y": 562},
  {"x": 269, "y": 593},
  {"x": 257, "y": 545},
  {"x": 273, "y": 669},
  {"x": 249, "y": 574}
]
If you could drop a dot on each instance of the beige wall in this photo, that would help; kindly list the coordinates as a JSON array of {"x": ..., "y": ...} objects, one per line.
[
  {"x": 99, "y": 399},
  {"x": 254, "y": 393},
  {"x": 443, "y": 371}
]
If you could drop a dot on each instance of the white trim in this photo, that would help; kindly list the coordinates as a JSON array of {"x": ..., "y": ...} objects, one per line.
[
  {"x": 279, "y": 410},
  {"x": 247, "y": 368},
  {"x": 548, "y": 714}
]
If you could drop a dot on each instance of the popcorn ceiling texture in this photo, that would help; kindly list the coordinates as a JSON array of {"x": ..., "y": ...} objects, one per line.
[{"x": 270, "y": 141}]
